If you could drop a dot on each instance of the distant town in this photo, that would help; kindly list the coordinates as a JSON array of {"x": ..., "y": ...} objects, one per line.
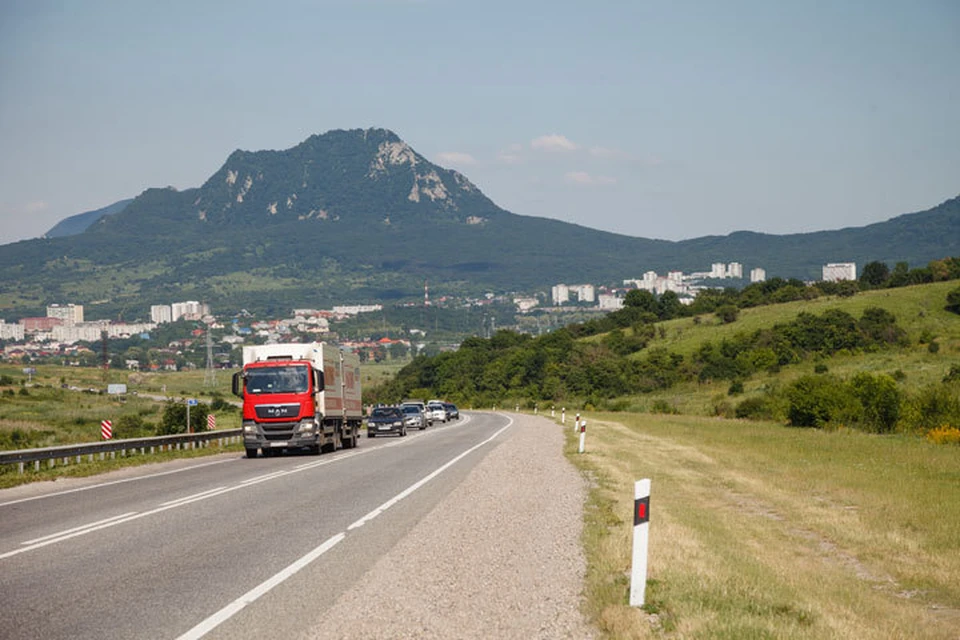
[{"x": 64, "y": 328}]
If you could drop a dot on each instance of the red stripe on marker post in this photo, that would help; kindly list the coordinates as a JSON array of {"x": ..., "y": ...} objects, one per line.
[
  {"x": 641, "y": 535},
  {"x": 106, "y": 429}
]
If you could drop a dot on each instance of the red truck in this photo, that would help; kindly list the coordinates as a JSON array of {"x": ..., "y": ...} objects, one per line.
[{"x": 299, "y": 396}]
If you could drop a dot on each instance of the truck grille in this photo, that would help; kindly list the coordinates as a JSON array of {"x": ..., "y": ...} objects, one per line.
[{"x": 278, "y": 430}]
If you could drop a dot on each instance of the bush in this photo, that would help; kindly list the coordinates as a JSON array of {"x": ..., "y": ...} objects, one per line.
[
  {"x": 820, "y": 368},
  {"x": 758, "y": 408},
  {"x": 816, "y": 401},
  {"x": 933, "y": 347},
  {"x": 131, "y": 425},
  {"x": 727, "y": 313},
  {"x": 880, "y": 400},
  {"x": 735, "y": 388},
  {"x": 662, "y": 406},
  {"x": 944, "y": 435},
  {"x": 953, "y": 300},
  {"x": 932, "y": 406}
]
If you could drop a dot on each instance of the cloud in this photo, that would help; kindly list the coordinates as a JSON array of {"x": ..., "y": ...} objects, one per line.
[
  {"x": 456, "y": 157},
  {"x": 553, "y": 143},
  {"x": 585, "y": 179}
]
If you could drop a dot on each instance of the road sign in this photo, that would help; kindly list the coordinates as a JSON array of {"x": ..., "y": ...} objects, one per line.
[
  {"x": 106, "y": 429},
  {"x": 192, "y": 402}
]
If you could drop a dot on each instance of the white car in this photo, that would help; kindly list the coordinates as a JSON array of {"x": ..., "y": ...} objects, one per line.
[{"x": 437, "y": 411}]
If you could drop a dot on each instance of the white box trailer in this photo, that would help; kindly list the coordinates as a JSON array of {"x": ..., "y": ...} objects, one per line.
[{"x": 299, "y": 396}]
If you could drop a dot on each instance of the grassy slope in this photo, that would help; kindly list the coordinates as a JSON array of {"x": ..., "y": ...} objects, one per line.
[
  {"x": 763, "y": 531},
  {"x": 917, "y": 308}
]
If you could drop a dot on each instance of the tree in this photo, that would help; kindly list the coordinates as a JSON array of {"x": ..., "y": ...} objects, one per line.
[
  {"x": 641, "y": 299},
  {"x": 875, "y": 274}
]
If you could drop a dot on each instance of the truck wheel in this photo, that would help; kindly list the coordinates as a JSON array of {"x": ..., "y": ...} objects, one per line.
[{"x": 251, "y": 453}]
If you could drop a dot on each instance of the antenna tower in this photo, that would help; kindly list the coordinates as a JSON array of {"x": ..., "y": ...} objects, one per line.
[
  {"x": 426, "y": 294},
  {"x": 210, "y": 377}
]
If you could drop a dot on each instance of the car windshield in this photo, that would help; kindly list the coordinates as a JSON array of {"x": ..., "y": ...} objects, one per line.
[
  {"x": 411, "y": 410},
  {"x": 286, "y": 379},
  {"x": 385, "y": 413}
]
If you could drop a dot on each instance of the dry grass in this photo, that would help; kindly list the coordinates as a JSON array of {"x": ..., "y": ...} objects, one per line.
[{"x": 761, "y": 531}]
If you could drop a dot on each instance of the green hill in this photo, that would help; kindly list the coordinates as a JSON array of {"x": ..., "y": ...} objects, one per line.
[{"x": 700, "y": 365}]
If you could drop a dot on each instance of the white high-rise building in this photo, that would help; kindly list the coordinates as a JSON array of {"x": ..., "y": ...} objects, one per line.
[
  {"x": 69, "y": 313},
  {"x": 585, "y": 292},
  {"x": 560, "y": 293},
  {"x": 11, "y": 331},
  {"x": 734, "y": 270},
  {"x": 836, "y": 271},
  {"x": 758, "y": 275},
  {"x": 190, "y": 309},
  {"x": 161, "y": 313},
  {"x": 718, "y": 270}
]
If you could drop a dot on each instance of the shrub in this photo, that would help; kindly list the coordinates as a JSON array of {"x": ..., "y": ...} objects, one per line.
[
  {"x": 953, "y": 300},
  {"x": 6, "y": 380},
  {"x": 662, "y": 406},
  {"x": 758, "y": 408},
  {"x": 944, "y": 435},
  {"x": 953, "y": 375},
  {"x": 820, "y": 368},
  {"x": 131, "y": 425},
  {"x": 735, "y": 388},
  {"x": 933, "y": 347},
  {"x": 727, "y": 313},
  {"x": 932, "y": 406},
  {"x": 880, "y": 400},
  {"x": 815, "y": 401}
]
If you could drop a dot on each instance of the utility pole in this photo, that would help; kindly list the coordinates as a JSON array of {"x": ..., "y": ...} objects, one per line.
[{"x": 210, "y": 377}]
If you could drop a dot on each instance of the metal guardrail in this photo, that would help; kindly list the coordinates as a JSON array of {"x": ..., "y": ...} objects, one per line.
[{"x": 154, "y": 443}]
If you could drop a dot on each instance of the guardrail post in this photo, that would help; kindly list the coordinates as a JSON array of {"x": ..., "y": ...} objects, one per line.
[
  {"x": 36, "y": 466},
  {"x": 20, "y": 466}
]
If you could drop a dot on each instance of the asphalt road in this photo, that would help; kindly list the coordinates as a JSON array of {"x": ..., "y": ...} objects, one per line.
[{"x": 222, "y": 547}]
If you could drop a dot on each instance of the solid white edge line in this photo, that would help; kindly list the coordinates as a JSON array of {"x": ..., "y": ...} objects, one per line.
[
  {"x": 406, "y": 492},
  {"x": 80, "y": 528},
  {"x": 191, "y": 497},
  {"x": 113, "y": 482},
  {"x": 254, "y": 594}
]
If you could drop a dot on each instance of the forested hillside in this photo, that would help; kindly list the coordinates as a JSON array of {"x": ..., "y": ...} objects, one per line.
[{"x": 878, "y": 358}]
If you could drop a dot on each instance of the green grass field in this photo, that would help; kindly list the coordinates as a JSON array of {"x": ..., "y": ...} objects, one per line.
[{"x": 764, "y": 531}]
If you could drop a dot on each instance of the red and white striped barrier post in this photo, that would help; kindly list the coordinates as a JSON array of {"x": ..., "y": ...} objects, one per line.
[
  {"x": 583, "y": 433},
  {"x": 641, "y": 535},
  {"x": 211, "y": 422},
  {"x": 106, "y": 429}
]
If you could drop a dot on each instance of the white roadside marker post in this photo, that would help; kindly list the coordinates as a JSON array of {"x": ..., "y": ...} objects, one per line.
[
  {"x": 576, "y": 424},
  {"x": 583, "y": 434},
  {"x": 563, "y": 415},
  {"x": 641, "y": 535}
]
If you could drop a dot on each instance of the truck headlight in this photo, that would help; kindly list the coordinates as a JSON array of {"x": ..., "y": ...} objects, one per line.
[
  {"x": 249, "y": 427},
  {"x": 307, "y": 426}
]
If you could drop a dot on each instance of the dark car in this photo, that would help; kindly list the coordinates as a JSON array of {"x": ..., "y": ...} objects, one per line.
[
  {"x": 452, "y": 412},
  {"x": 384, "y": 420}
]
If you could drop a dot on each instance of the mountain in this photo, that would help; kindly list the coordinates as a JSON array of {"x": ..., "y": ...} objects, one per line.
[
  {"x": 360, "y": 216},
  {"x": 80, "y": 222}
]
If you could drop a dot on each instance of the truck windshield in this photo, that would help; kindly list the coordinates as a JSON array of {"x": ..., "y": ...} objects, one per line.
[{"x": 289, "y": 379}]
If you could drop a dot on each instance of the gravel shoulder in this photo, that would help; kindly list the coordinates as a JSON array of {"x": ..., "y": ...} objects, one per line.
[{"x": 504, "y": 558}]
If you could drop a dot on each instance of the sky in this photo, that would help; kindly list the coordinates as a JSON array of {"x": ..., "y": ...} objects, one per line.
[{"x": 653, "y": 119}]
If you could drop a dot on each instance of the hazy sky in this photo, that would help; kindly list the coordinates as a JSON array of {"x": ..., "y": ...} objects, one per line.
[{"x": 661, "y": 119}]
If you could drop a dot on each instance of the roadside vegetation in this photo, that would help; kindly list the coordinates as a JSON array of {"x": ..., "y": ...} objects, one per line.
[{"x": 760, "y": 530}]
